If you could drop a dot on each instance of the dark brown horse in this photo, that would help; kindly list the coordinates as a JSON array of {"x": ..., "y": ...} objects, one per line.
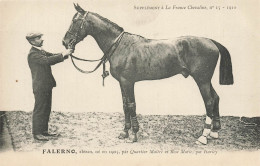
[{"x": 134, "y": 58}]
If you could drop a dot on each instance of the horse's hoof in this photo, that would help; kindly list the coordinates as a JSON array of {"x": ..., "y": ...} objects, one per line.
[
  {"x": 135, "y": 139},
  {"x": 123, "y": 135},
  {"x": 132, "y": 138},
  {"x": 213, "y": 135},
  {"x": 202, "y": 140},
  {"x": 198, "y": 143}
]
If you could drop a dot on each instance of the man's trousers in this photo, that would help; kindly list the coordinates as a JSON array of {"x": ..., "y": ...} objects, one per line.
[{"x": 41, "y": 112}]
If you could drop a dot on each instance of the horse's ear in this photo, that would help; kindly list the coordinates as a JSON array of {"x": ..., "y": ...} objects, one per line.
[
  {"x": 79, "y": 9},
  {"x": 75, "y": 6}
]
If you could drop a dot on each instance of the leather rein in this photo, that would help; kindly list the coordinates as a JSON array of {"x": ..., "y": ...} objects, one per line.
[{"x": 102, "y": 60}]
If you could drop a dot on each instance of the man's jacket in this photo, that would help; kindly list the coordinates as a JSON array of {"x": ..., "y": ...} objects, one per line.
[{"x": 40, "y": 64}]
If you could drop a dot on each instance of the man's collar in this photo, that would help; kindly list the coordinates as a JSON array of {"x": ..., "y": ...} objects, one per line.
[{"x": 39, "y": 48}]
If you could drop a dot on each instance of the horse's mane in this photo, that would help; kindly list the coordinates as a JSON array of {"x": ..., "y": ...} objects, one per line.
[{"x": 108, "y": 22}]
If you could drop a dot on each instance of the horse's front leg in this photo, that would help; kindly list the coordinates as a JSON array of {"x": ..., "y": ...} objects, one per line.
[
  {"x": 125, "y": 133},
  {"x": 127, "y": 90}
]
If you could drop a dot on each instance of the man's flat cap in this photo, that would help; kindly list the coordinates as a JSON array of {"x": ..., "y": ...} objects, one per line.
[{"x": 33, "y": 35}]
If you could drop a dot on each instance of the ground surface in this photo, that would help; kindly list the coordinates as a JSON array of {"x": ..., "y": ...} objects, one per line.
[
  {"x": 92, "y": 131},
  {"x": 5, "y": 137}
]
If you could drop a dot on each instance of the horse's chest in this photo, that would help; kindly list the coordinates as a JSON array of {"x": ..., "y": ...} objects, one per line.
[{"x": 118, "y": 67}]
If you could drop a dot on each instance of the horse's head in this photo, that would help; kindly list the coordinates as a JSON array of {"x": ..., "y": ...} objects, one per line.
[{"x": 78, "y": 28}]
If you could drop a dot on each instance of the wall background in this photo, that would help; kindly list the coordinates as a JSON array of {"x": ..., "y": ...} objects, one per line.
[{"x": 236, "y": 29}]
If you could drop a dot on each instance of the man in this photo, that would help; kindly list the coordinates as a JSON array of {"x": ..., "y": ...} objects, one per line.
[{"x": 43, "y": 81}]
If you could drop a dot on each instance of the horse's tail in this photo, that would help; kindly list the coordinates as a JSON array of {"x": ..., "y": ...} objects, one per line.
[{"x": 225, "y": 72}]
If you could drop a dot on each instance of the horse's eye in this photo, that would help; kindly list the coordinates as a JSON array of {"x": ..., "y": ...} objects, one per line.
[{"x": 75, "y": 19}]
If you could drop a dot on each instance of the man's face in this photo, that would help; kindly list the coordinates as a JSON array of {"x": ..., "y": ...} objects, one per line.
[{"x": 38, "y": 41}]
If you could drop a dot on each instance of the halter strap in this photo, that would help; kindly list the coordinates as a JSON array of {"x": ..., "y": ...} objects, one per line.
[
  {"x": 119, "y": 36},
  {"x": 103, "y": 60},
  {"x": 81, "y": 26},
  {"x": 84, "y": 17},
  {"x": 106, "y": 56}
]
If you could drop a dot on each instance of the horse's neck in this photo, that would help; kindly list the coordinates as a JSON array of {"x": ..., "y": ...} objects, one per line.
[
  {"x": 104, "y": 41},
  {"x": 104, "y": 35}
]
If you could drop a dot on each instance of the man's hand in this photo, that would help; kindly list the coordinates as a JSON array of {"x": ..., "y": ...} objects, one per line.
[
  {"x": 66, "y": 53},
  {"x": 65, "y": 57}
]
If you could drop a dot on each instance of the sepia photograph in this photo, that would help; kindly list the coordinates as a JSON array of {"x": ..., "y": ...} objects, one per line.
[{"x": 132, "y": 82}]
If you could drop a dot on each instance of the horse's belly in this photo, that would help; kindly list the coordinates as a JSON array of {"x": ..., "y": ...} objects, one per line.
[
  {"x": 157, "y": 71},
  {"x": 146, "y": 70}
]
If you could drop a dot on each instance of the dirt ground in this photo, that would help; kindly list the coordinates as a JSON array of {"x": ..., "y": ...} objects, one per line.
[{"x": 95, "y": 130}]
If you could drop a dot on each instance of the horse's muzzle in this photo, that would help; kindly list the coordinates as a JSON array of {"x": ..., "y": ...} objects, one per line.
[
  {"x": 71, "y": 44},
  {"x": 63, "y": 43}
]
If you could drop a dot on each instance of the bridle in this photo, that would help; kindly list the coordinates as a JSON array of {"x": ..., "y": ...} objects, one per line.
[
  {"x": 102, "y": 60},
  {"x": 77, "y": 32}
]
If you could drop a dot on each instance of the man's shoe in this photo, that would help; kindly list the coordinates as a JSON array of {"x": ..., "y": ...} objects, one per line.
[
  {"x": 51, "y": 134},
  {"x": 40, "y": 137}
]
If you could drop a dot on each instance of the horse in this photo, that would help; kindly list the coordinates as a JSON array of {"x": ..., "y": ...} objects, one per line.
[{"x": 135, "y": 58}]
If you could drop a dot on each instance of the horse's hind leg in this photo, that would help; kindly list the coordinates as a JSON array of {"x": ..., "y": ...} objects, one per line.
[
  {"x": 127, "y": 90},
  {"x": 205, "y": 90},
  {"x": 216, "y": 119}
]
